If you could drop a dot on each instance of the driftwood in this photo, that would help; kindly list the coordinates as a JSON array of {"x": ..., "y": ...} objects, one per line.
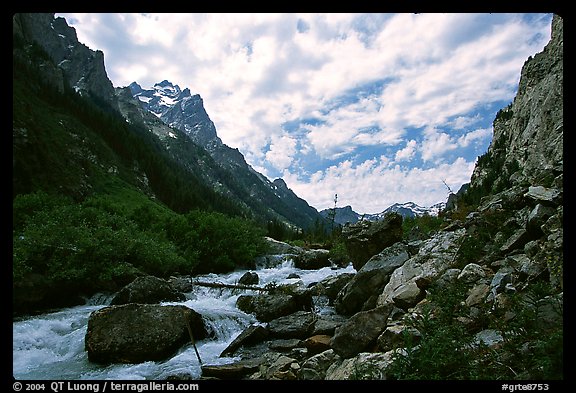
[{"x": 232, "y": 286}]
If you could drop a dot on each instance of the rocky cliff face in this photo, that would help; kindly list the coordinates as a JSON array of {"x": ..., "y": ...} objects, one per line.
[
  {"x": 72, "y": 62},
  {"x": 188, "y": 114},
  {"x": 527, "y": 147}
]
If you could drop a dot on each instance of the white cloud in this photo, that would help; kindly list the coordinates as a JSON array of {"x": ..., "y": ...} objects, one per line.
[
  {"x": 375, "y": 185},
  {"x": 436, "y": 144},
  {"x": 257, "y": 72},
  {"x": 437, "y": 82},
  {"x": 479, "y": 135},
  {"x": 406, "y": 153},
  {"x": 462, "y": 122},
  {"x": 281, "y": 152}
]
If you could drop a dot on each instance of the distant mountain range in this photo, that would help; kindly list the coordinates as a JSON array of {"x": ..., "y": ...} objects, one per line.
[{"x": 409, "y": 209}]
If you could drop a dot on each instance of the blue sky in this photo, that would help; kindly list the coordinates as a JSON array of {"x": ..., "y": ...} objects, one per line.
[{"x": 377, "y": 108}]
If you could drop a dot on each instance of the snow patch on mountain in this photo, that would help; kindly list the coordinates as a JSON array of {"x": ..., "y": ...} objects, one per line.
[{"x": 407, "y": 210}]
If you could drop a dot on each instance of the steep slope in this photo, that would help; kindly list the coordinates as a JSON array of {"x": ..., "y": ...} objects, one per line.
[
  {"x": 98, "y": 201},
  {"x": 68, "y": 136},
  {"x": 69, "y": 63},
  {"x": 180, "y": 110},
  {"x": 527, "y": 146},
  {"x": 183, "y": 169}
]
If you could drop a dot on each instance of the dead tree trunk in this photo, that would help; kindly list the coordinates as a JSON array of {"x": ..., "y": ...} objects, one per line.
[{"x": 232, "y": 286}]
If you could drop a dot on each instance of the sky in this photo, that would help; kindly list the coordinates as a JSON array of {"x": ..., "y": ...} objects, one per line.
[{"x": 374, "y": 108}]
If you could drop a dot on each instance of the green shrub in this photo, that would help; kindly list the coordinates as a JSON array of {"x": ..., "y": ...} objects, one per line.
[
  {"x": 533, "y": 349},
  {"x": 441, "y": 351},
  {"x": 223, "y": 242},
  {"x": 338, "y": 253},
  {"x": 482, "y": 238},
  {"x": 110, "y": 237},
  {"x": 446, "y": 349},
  {"x": 74, "y": 242}
]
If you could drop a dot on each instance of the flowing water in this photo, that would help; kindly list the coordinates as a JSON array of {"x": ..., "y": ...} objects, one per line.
[{"x": 51, "y": 346}]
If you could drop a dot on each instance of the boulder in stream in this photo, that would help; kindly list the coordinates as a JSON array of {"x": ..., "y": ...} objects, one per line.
[
  {"x": 149, "y": 290},
  {"x": 135, "y": 333}
]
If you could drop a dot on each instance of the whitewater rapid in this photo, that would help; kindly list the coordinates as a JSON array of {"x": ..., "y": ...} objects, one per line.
[{"x": 51, "y": 345}]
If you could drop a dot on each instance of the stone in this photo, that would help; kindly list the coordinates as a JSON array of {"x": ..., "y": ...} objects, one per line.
[
  {"x": 147, "y": 290},
  {"x": 135, "y": 333},
  {"x": 367, "y": 238},
  {"x": 360, "y": 332}
]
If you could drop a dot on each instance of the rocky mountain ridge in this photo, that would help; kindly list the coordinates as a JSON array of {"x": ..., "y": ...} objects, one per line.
[
  {"x": 528, "y": 144},
  {"x": 72, "y": 63},
  {"x": 345, "y": 214},
  {"x": 168, "y": 111},
  {"x": 179, "y": 109},
  {"x": 185, "y": 131}
]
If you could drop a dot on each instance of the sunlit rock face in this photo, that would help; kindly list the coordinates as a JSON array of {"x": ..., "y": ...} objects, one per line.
[{"x": 527, "y": 146}]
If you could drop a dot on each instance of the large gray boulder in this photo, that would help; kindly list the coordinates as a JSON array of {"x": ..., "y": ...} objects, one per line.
[
  {"x": 296, "y": 325},
  {"x": 315, "y": 367},
  {"x": 135, "y": 333},
  {"x": 249, "y": 278},
  {"x": 147, "y": 290},
  {"x": 331, "y": 286},
  {"x": 360, "y": 333},
  {"x": 367, "y": 238},
  {"x": 364, "y": 366},
  {"x": 435, "y": 257},
  {"x": 268, "y": 306},
  {"x": 236, "y": 370},
  {"x": 312, "y": 259},
  {"x": 276, "y": 247},
  {"x": 370, "y": 280},
  {"x": 253, "y": 334}
]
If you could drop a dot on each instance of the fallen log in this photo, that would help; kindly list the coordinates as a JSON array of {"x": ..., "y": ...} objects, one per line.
[{"x": 231, "y": 286}]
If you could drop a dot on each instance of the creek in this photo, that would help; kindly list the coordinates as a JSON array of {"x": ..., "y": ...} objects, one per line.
[{"x": 51, "y": 345}]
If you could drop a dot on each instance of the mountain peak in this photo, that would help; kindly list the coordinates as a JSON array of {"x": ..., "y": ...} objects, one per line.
[
  {"x": 183, "y": 152},
  {"x": 407, "y": 209},
  {"x": 280, "y": 183},
  {"x": 166, "y": 88},
  {"x": 179, "y": 109},
  {"x": 164, "y": 83},
  {"x": 135, "y": 88}
]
